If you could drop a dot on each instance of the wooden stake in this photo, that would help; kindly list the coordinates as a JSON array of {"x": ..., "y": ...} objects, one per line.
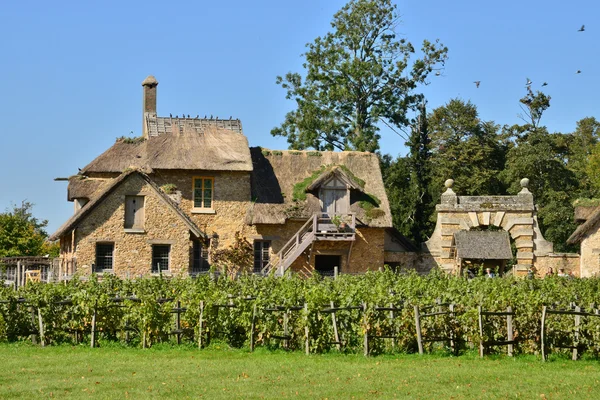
[
  {"x": 480, "y": 318},
  {"x": 418, "y": 329},
  {"x": 252, "y": 327},
  {"x": 285, "y": 330},
  {"x": 392, "y": 325},
  {"x": 178, "y": 322},
  {"x": 509, "y": 330},
  {"x": 306, "y": 331},
  {"x": 33, "y": 335},
  {"x": 200, "y": 324},
  {"x": 336, "y": 336},
  {"x": 453, "y": 345},
  {"x": 365, "y": 327},
  {"x": 93, "y": 333},
  {"x": 576, "y": 333},
  {"x": 543, "y": 334},
  {"x": 41, "y": 324}
]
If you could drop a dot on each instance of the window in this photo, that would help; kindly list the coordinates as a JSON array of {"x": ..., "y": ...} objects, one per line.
[
  {"x": 261, "y": 254},
  {"x": 160, "y": 257},
  {"x": 104, "y": 257},
  {"x": 203, "y": 192},
  {"x": 134, "y": 212},
  {"x": 199, "y": 258}
]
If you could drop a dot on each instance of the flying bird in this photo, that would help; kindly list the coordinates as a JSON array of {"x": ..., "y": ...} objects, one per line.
[
  {"x": 477, "y": 83},
  {"x": 578, "y": 71},
  {"x": 528, "y": 82},
  {"x": 170, "y": 115},
  {"x": 582, "y": 29},
  {"x": 438, "y": 73},
  {"x": 544, "y": 84}
]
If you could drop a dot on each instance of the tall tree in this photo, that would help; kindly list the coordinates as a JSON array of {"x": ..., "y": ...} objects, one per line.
[
  {"x": 466, "y": 149},
  {"x": 358, "y": 76},
  {"x": 542, "y": 157},
  {"x": 22, "y": 234},
  {"x": 581, "y": 145}
]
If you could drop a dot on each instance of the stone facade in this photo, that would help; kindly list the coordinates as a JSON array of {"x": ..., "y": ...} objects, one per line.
[{"x": 132, "y": 249}]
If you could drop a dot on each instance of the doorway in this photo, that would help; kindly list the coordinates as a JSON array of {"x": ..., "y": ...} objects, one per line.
[{"x": 324, "y": 264}]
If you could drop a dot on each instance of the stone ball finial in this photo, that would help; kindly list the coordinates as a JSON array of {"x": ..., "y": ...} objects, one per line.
[
  {"x": 524, "y": 182},
  {"x": 449, "y": 183}
]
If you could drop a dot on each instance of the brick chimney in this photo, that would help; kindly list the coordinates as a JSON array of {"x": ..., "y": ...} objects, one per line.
[{"x": 149, "y": 101}]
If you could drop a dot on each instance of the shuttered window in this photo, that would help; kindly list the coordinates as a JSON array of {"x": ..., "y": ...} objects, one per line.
[
  {"x": 134, "y": 212},
  {"x": 203, "y": 192}
]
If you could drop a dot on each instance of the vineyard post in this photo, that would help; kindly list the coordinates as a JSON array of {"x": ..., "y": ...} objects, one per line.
[
  {"x": 576, "y": 333},
  {"x": 33, "y": 335},
  {"x": 93, "y": 333},
  {"x": 418, "y": 329},
  {"x": 480, "y": 318},
  {"x": 366, "y": 329},
  {"x": 18, "y": 274},
  {"x": 542, "y": 334},
  {"x": 392, "y": 325},
  {"x": 306, "y": 331},
  {"x": 201, "y": 324},
  {"x": 453, "y": 344},
  {"x": 285, "y": 329},
  {"x": 509, "y": 330},
  {"x": 336, "y": 271},
  {"x": 336, "y": 335},
  {"x": 41, "y": 322},
  {"x": 252, "y": 327},
  {"x": 178, "y": 322}
]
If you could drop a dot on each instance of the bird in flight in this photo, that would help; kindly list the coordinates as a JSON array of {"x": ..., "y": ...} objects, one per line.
[
  {"x": 438, "y": 73},
  {"x": 477, "y": 83},
  {"x": 545, "y": 84},
  {"x": 528, "y": 82},
  {"x": 582, "y": 29},
  {"x": 578, "y": 71}
]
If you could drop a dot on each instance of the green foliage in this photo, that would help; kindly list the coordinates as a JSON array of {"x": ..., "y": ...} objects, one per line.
[
  {"x": 314, "y": 154},
  {"x": 130, "y": 140},
  {"x": 466, "y": 149},
  {"x": 277, "y": 152},
  {"x": 236, "y": 258},
  {"x": 151, "y": 319},
  {"x": 299, "y": 191},
  {"x": 266, "y": 152},
  {"x": 586, "y": 202},
  {"x": 22, "y": 234},
  {"x": 169, "y": 188},
  {"x": 355, "y": 178},
  {"x": 358, "y": 76}
]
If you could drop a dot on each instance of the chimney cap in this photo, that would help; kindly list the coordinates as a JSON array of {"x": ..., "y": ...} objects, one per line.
[{"x": 150, "y": 81}]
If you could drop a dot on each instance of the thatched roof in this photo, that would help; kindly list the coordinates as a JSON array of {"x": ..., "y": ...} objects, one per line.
[
  {"x": 338, "y": 172},
  {"x": 277, "y": 172},
  {"x": 483, "y": 245},
  {"x": 586, "y": 228},
  {"x": 190, "y": 147},
  {"x": 84, "y": 187},
  {"x": 85, "y": 210}
]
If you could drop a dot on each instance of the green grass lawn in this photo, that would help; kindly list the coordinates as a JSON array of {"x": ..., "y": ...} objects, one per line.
[{"x": 222, "y": 373}]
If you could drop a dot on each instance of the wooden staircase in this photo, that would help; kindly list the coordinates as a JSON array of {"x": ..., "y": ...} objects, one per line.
[{"x": 319, "y": 227}]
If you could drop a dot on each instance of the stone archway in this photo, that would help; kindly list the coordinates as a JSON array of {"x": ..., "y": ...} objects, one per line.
[{"x": 514, "y": 214}]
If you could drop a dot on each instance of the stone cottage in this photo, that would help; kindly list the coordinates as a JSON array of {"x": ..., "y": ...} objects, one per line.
[{"x": 167, "y": 201}]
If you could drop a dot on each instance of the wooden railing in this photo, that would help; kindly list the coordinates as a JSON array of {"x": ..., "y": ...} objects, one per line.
[{"x": 321, "y": 226}]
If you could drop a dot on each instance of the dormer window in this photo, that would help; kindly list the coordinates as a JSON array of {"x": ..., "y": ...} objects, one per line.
[
  {"x": 334, "y": 186},
  {"x": 335, "y": 197}
]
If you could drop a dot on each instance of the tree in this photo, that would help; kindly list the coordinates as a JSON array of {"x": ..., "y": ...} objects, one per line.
[
  {"x": 21, "y": 234},
  {"x": 466, "y": 149},
  {"x": 581, "y": 145},
  {"x": 356, "y": 79},
  {"x": 542, "y": 157}
]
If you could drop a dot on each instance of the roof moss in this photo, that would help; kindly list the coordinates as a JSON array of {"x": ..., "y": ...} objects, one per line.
[{"x": 586, "y": 202}]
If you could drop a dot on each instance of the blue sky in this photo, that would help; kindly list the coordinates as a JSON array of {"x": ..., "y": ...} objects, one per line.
[{"x": 70, "y": 78}]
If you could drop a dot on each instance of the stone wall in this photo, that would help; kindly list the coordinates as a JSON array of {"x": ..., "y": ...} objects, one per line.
[
  {"x": 568, "y": 261},
  {"x": 589, "y": 264}
]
